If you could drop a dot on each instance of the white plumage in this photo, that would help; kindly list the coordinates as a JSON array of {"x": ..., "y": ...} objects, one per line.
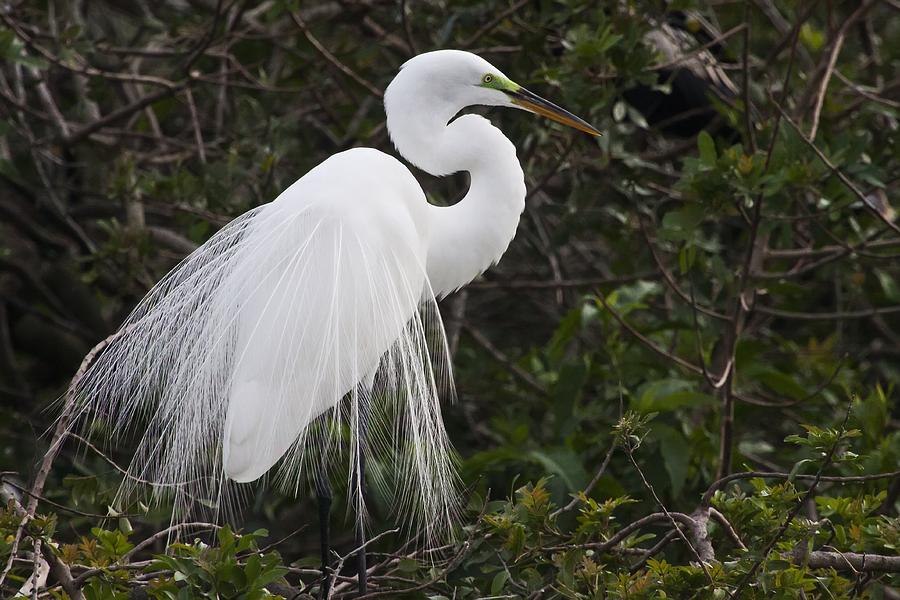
[
  {"x": 241, "y": 356},
  {"x": 330, "y": 306}
]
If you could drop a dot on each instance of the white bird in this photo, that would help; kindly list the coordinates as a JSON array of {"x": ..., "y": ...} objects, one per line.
[{"x": 240, "y": 357}]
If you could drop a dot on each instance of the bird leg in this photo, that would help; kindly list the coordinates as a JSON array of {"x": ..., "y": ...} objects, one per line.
[
  {"x": 323, "y": 496},
  {"x": 359, "y": 483},
  {"x": 361, "y": 568}
]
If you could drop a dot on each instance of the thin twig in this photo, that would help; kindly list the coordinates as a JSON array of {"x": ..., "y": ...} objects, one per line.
[
  {"x": 826, "y": 78},
  {"x": 722, "y": 520},
  {"x": 825, "y": 250},
  {"x": 829, "y": 316},
  {"x": 195, "y": 124},
  {"x": 407, "y": 29},
  {"x": 301, "y": 24},
  {"x": 490, "y": 25},
  {"x": 703, "y": 552},
  {"x": 835, "y": 170},
  {"x": 729, "y": 365},
  {"x": 177, "y": 528},
  {"x": 119, "y": 114},
  {"x": 719, "y": 484},
  {"x": 682, "y": 58},
  {"x": 745, "y": 71},
  {"x": 341, "y": 560},
  {"x": 64, "y": 420},
  {"x": 670, "y": 280},
  {"x": 83, "y": 69},
  {"x": 587, "y": 489},
  {"x": 654, "y": 550},
  {"x": 530, "y": 284},
  {"x": 647, "y": 341},
  {"x": 627, "y": 530},
  {"x": 836, "y": 46},
  {"x": 741, "y": 308},
  {"x": 58, "y": 568},
  {"x": 796, "y": 509},
  {"x": 500, "y": 357},
  {"x": 62, "y": 425}
]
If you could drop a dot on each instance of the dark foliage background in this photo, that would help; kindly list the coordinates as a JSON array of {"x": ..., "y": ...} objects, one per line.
[{"x": 710, "y": 288}]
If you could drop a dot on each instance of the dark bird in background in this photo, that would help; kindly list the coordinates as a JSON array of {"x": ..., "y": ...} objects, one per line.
[{"x": 693, "y": 81}]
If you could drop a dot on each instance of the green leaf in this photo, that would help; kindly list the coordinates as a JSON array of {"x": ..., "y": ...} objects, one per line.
[
  {"x": 812, "y": 37},
  {"x": 564, "y": 333},
  {"x": 273, "y": 574},
  {"x": 499, "y": 581},
  {"x": 564, "y": 463},
  {"x": 873, "y": 414},
  {"x": 515, "y": 540},
  {"x": 33, "y": 62},
  {"x": 668, "y": 395},
  {"x": 567, "y": 393},
  {"x": 707, "y": 148},
  {"x": 632, "y": 297},
  {"x": 888, "y": 285},
  {"x": 681, "y": 224},
  {"x": 686, "y": 257},
  {"x": 408, "y": 565},
  {"x": 780, "y": 383},
  {"x": 676, "y": 454}
]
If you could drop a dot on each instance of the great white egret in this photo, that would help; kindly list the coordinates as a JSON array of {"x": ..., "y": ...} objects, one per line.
[{"x": 240, "y": 357}]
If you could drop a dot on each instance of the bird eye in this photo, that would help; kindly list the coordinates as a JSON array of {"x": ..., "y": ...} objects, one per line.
[{"x": 487, "y": 78}]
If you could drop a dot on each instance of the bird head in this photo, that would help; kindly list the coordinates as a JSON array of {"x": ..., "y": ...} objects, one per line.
[{"x": 459, "y": 79}]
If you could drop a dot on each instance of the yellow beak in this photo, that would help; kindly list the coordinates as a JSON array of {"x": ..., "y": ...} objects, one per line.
[{"x": 534, "y": 103}]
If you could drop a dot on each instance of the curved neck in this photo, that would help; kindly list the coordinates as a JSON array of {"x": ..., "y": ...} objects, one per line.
[{"x": 470, "y": 236}]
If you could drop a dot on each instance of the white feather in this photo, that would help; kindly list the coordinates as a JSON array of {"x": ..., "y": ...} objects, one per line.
[
  {"x": 267, "y": 326},
  {"x": 316, "y": 313}
]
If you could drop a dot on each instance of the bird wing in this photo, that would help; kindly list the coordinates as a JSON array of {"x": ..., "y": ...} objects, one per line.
[
  {"x": 268, "y": 325},
  {"x": 320, "y": 303}
]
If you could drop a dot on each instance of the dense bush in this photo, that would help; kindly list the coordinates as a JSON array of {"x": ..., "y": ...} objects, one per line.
[{"x": 678, "y": 383}]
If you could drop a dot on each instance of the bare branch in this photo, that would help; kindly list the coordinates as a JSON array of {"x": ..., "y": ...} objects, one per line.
[{"x": 301, "y": 24}]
